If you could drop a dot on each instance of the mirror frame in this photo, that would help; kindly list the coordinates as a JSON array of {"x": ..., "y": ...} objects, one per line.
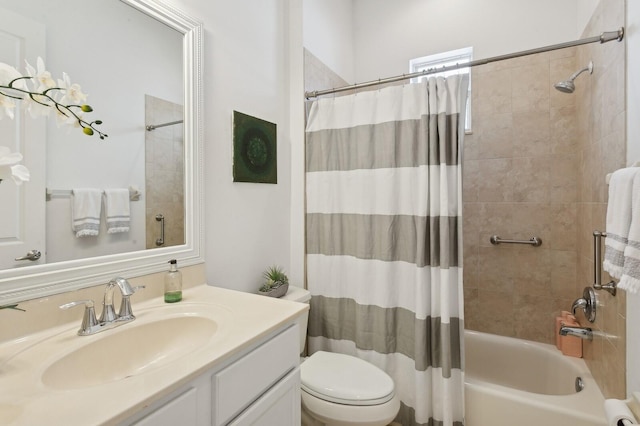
[{"x": 30, "y": 282}]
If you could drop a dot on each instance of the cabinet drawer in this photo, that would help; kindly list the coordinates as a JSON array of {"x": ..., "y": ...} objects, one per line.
[
  {"x": 182, "y": 410},
  {"x": 279, "y": 406},
  {"x": 238, "y": 385}
]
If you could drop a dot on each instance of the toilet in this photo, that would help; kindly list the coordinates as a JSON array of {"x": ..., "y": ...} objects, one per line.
[{"x": 342, "y": 390}]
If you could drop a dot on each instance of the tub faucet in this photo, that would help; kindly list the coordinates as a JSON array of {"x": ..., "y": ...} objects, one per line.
[{"x": 581, "y": 332}]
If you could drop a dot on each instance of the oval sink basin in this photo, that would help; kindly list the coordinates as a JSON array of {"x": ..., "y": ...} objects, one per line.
[
  {"x": 129, "y": 350},
  {"x": 9, "y": 413}
]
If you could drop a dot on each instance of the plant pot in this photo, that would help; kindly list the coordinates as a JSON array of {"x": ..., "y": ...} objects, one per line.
[{"x": 276, "y": 292}]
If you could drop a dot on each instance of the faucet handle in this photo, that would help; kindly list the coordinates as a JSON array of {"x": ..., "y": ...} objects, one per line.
[
  {"x": 587, "y": 303},
  {"x": 125, "y": 312},
  {"x": 89, "y": 320}
]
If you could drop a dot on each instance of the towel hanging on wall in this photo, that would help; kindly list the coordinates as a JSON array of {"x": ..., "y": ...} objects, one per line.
[
  {"x": 117, "y": 210},
  {"x": 618, "y": 220},
  {"x": 630, "y": 280},
  {"x": 85, "y": 211}
]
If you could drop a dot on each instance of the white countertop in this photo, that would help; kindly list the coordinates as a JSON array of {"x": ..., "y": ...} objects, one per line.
[{"x": 241, "y": 319}]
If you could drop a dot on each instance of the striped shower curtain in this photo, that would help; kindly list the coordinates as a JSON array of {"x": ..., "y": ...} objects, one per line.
[{"x": 384, "y": 240}]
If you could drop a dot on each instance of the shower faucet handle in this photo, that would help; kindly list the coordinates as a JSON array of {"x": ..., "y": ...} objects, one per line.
[{"x": 587, "y": 303}]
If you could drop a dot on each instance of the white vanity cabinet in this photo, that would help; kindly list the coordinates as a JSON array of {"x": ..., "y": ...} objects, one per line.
[{"x": 258, "y": 386}]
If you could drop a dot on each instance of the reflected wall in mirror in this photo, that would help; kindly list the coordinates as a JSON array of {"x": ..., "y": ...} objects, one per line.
[{"x": 139, "y": 63}]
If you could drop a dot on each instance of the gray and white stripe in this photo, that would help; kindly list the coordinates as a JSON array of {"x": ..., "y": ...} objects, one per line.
[{"x": 384, "y": 238}]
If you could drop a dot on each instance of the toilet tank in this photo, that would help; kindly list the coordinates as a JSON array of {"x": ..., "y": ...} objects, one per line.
[{"x": 297, "y": 294}]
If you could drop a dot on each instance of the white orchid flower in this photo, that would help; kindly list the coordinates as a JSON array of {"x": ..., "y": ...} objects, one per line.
[
  {"x": 9, "y": 167},
  {"x": 41, "y": 77},
  {"x": 42, "y": 80},
  {"x": 72, "y": 92},
  {"x": 67, "y": 120},
  {"x": 8, "y": 106},
  {"x": 7, "y": 75}
]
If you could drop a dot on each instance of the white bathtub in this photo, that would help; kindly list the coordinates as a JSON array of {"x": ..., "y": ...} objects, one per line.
[{"x": 514, "y": 382}]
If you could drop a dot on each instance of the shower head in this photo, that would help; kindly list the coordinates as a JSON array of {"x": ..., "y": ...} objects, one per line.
[{"x": 568, "y": 86}]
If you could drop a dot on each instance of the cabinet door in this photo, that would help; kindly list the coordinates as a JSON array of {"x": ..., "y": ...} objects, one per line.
[
  {"x": 244, "y": 381},
  {"x": 181, "y": 410},
  {"x": 280, "y": 406}
]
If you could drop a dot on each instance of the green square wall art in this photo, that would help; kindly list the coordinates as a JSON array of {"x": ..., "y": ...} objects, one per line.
[{"x": 254, "y": 150}]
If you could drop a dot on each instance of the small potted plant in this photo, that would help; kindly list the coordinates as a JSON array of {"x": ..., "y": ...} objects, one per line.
[{"x": 276, "y": 282}]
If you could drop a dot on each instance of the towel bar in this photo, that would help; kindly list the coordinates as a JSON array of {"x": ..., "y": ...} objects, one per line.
[
  {"x": 134, "y": 193},
  {"x": 534, "y": 241}
]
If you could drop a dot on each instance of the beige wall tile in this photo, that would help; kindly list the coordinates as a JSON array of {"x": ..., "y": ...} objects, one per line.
[
  {"x": 494, "y": 183},
  {"x": 491, "y": 92},
  {"x": 531, "y": 134}
]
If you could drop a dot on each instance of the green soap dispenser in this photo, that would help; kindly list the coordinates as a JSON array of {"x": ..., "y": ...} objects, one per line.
[{"x": 173, "y": 283}]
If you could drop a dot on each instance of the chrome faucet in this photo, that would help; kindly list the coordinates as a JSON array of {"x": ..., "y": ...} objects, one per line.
[
  {"x": 578, "y": 303},
  {"x": 108, "y": 312},
  {"x": 581, "y": 332},
  {"x": 587, "y": 303},
  {"x": 108, "y": 318}
]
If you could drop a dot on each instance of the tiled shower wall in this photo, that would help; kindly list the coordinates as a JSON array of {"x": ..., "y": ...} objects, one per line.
[
  {"x": 601, "y": 149},
  {"x": 318, "y": 76},
  {"x": 520, "y": 180},
  {"x": 164, "y": 170}
]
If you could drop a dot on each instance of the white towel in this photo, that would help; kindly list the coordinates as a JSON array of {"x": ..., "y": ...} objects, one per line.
[
  {"x": 618, "y": 219},
  {"x": 85, "y": 211},
  {"x": 630, "y": 280},
  {"x": 117, "y": 210}
]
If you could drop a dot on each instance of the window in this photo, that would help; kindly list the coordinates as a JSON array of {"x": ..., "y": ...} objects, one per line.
[{"x": 444, "y": 59}]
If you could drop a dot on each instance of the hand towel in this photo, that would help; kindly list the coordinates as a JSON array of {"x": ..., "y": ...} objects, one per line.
[
  {"x": 85, "y": 211},
  {"x": 618, "y": 219},
  {"x": 630, "y": 280},
  {"x": 117, "y": 210}
]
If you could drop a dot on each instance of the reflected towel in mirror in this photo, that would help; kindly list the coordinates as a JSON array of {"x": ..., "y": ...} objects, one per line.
[
  {"x": 85, "y": 211},
  {"x": 117, "y": 210}
]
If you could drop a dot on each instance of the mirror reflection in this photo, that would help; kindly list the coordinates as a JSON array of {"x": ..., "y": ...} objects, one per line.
[{"x": 131, "y": 68}]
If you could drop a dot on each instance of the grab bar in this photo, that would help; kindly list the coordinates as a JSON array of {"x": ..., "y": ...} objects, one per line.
[
  {"x": 597, "y": 265},
  {"x": 534, "y": 241},
  {"x": 160, "y": 218}
]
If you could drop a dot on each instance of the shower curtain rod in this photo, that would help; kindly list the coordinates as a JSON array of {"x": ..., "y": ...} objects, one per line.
[
  {"x": 151, "y": 127},
  {"x": 602, "y": 38}
]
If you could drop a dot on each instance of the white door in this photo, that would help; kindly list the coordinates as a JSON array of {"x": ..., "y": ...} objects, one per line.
[{"x": 22, "y": 208}]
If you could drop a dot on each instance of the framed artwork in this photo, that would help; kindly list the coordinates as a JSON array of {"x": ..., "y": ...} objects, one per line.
[{"x": 254, "y": 150}]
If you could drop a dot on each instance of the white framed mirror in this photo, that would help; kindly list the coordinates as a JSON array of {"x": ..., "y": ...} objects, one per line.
[{"x": 153, "y": 25}]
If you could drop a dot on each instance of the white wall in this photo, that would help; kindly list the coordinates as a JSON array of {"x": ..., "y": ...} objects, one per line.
[
  {"x": 584, "y": 10},
  {"x": 633, "y": 155},
  {"x": 389, "y": 34},
  {"x": 328, "y": 34},
  {"x": 246, "y": 68}
]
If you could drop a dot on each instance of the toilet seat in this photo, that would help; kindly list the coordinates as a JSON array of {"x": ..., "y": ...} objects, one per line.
[{"x": 345, "y": 379}]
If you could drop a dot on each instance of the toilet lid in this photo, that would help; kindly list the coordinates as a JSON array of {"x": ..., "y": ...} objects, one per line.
[{"x": 345, "y": 379}]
